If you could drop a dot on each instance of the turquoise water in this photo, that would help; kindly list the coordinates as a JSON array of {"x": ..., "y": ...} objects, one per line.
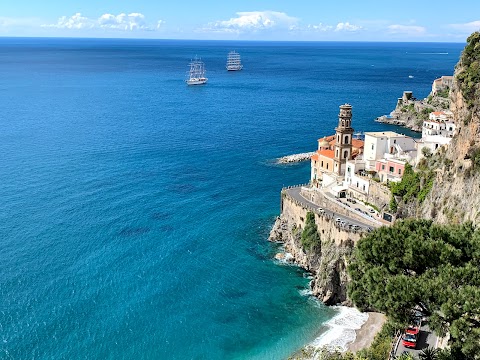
[{"x": 135, "y": 210}]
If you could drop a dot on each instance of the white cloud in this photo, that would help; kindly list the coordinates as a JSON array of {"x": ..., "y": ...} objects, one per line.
[
  {"x": 319, "y": 27},
  {"x": 123, "y": 22},
  {"x": 406, "y": 29},
  {"x": 346, "y": 26},
  {"x": 253, "y": 21},
  {"x": 467, "y": 27}
]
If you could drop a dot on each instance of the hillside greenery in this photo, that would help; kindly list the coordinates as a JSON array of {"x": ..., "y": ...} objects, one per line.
[
  {"x": 415, "y": 185},
  {"x": 469, "y": 74},
  {"x": 418, "y": 263}
]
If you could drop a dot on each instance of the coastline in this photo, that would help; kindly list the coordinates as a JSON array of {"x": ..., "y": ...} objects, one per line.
[
  {"x": 366, "y": 334},
  {"x": 349, "y": 331}
]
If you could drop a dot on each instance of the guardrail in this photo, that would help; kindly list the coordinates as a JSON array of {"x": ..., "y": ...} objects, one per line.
[
  {"x": 323, "y": 214},
  {"x": 395, "y": 343}
]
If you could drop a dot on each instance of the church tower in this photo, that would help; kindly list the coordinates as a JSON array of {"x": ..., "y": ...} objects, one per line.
[{"x": 343, "y": 139}]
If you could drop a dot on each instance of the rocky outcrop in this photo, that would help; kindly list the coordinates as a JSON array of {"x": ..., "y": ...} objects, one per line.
[
  {"x": 328, "y": 264},
  {"x": 410, "y": 112},
  {"x": 455, "y": 195}
]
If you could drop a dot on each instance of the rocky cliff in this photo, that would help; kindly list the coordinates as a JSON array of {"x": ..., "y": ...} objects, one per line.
[
  {"x": 455, "y": 195},
  {"x": 410, "y": 112},
  {"x": 328, "y": 263}
]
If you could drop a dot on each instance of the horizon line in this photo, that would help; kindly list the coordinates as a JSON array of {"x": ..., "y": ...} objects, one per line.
[{"x": 220, "y": 40}]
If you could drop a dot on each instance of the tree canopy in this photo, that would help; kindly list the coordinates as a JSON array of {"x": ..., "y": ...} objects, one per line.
[{"x": 416, "y": 262}]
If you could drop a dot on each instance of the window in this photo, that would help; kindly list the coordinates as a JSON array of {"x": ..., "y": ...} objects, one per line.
[
  {"x": 327, "y": 166},
  {"x": 338, "y": 138},
  {"x": 391, "y": 169},
  {"x": 345, "y": 154},
  {"x": 346, "y": 139},
  {"x": 322, "y": 163},
  {"x": 399, "y": 171},
  {"x": 348, "y": 169},
  {"x": 394, "y": 141},
  {"x": 383, "y": 167},
  {"x": 363, "y": 187},
  {"x": 357, "y": 183},
  {"x": 337, "y": 154},
  {"x": 372, "y": 146}
]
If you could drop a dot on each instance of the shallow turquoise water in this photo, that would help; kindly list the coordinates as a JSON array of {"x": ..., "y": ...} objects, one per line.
[{"x": 135, "y": 209}]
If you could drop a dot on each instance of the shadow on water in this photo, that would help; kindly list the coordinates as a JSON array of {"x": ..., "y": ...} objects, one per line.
[{"x": 133, "y": 231}]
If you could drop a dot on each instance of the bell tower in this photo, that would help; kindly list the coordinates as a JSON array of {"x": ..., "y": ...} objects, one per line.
[{"x": 343, "y": 139}]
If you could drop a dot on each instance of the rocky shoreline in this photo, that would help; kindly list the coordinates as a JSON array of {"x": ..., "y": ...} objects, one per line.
[
  {"x": 295, "y": 158},
  {"x": 328, "y": 266}
]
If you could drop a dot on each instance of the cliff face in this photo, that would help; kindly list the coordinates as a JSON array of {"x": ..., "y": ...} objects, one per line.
[
  {"x": 455, "y": 196},
  {"x": 328, "y": 264}
]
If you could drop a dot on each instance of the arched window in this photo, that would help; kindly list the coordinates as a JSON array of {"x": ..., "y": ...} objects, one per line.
[
  {"x": 327, "y": 166},
  {"x": 338, "y": 138},
  {"x": 322, "y": 164},
  {"x": 337, "y": 154},
  {"x": 346, "y": 139},
  {"x": 343, "y": 123},
  {"x": 345, "y": 153}
]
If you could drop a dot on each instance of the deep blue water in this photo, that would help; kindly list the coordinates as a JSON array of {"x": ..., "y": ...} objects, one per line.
[{"x": 135, "y": 210}]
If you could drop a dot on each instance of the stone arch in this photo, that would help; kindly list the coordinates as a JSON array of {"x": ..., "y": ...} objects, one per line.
[{"x": 345, "y": 154}]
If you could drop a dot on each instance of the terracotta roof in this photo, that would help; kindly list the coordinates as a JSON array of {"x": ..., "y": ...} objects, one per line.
[
  {"x": 314, "y": 157},
  {"x": 357, "y": 143},
  {"x": 326, "y": 153},
  {"x": 327, "y": 138},
  {"x": 438, "y": 113}
]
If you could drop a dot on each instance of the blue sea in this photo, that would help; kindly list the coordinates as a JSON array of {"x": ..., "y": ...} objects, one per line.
[{"x": 135, "y": 210}]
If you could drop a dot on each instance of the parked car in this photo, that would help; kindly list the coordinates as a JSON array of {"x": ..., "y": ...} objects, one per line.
[
  {"x": 358, "y": 209},
  {"x": 338, "y": 220},
  {"x": 353, "y": 201},
  {"x": 410, "y": 337},
  {"x": 371, "y": 210},
  {"x": 320, "y": 210}
]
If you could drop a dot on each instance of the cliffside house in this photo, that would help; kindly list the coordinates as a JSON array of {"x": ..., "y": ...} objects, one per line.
[
  {"x": 387, "y": 145},
  {"x": 441, "y": 84},
  {"x": 437, "y": 131}
]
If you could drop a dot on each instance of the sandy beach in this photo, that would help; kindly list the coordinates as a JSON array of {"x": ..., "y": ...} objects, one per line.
[{"x": 366, "y": 334}]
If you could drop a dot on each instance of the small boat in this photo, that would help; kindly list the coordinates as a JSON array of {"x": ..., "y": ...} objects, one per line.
[
  {"x": 196, "y": 74},
  {"x": 233, "y": 61}
]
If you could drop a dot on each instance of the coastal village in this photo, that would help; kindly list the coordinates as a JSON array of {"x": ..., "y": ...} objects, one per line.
[
  {"x": 352, "y": 171},
  {"x": 349, "y": 193}
]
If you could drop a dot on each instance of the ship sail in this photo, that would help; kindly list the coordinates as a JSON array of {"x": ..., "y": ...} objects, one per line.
[
  {"x": 233, "y": 61},
  {"x": 196, "y": 74}
]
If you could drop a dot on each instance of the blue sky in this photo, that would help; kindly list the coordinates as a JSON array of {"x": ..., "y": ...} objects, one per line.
[{"x": 310, "y": 20}]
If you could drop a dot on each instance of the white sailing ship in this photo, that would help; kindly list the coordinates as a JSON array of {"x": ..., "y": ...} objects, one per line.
[
  {"x": 196, "y": 74},
  {"x": 233, "y": 61}
]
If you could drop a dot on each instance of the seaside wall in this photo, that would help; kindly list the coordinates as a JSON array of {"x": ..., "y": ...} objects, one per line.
[{"x": 328, "y": 265}]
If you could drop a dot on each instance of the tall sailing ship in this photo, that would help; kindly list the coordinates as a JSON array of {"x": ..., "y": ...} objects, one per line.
[
  {"x": 233, "y": 61},
  {"x": 196, "y": 74}
]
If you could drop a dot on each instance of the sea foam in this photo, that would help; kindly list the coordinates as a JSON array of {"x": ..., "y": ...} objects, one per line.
[{"x": 340, "y": 330}]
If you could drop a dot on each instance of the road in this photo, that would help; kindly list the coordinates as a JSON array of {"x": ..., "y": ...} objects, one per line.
[
  {"x": 295, "y": 193},
  {"x": 427, "y": 338}
]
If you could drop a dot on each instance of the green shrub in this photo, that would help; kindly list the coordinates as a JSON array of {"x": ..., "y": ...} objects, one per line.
[{"x": 310, "y": 237}]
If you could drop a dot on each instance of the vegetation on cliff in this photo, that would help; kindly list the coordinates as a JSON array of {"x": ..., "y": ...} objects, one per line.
[
  {"x": 310, "y": 237},
  {"x": 468, "y": 75},
  {"x": 415, "y": 185},
  {"x": 416, "y": 262}
]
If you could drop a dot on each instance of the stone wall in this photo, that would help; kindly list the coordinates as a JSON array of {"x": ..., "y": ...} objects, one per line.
[{"x": 327, "y": 264}]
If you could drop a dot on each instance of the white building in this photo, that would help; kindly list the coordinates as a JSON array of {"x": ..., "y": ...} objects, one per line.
[
  {"x": 387, "y": 145},
  {"x": 442, "y": 83},
  {"x": 437, "y": 131},
  {"x": 354, "y": 181},
  {"x": 439, "y": 123}
]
